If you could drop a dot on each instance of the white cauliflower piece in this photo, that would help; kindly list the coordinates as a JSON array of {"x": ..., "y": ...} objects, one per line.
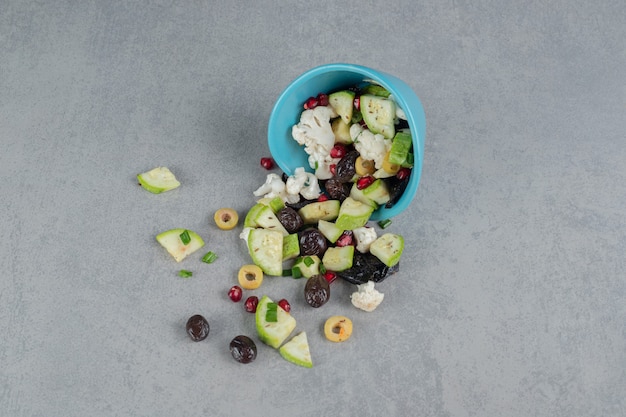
[
  {"x": 273, "y": 187},
  {"x": 245, "y": 233},
  {"x": 367, "y": 297},
  {"x": 303, "y": 183},
  {"x": 372, "y": 147},
  {"x": 364, "y": 237},
  {"x": 315, "y": 133}
]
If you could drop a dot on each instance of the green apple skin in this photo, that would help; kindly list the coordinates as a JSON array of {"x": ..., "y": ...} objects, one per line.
[
  {"x": 171, "y": 241},
  {"x": 273, "y": 333},
  {"x": 297, "y": 351}
]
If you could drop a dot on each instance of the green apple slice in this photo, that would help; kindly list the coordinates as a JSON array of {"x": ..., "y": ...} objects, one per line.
[
  {"x": 320, "y": 210},
  {"x": 297, "y": 351},
  {"x": 266, "y": 250},
  {"x": 353, "y": 214},
  {"x": 379, "y": 114},
  {"x": 172, "y": 241},
  {"x": 329, "y": 230},
  {"x": 158, "y": 180},
  {"x": 291, "y": 246},
  {"x": 338, "y": 258},
  {"x": 388, "y": 248},
  {"x": 276, "y": 332},
  {"x": 266, "y": 218}
]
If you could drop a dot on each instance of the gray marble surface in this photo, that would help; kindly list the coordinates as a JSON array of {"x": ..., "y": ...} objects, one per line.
[{"x": 511, "y": 295}]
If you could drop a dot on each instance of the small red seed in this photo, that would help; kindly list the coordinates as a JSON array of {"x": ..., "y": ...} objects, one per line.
[
  {"x": 332, "y": 168},
  {"x": 346, "y": 239},
  {"x": 284, "y": 304},
  {"x": 338, "y": 151},
  {"x": 330, "y": 276},
  {"x": 267, "y": 163},
  {"x": 251, "y": 303},
  {"x": 403, "y": 173},
  {"x": 235, "y": 293},
  {"x": 322, "y": 197},
  {"x": 311, "y": 103},
  {"x": 322, "y": 99},
  {"x": 357, "y": 103},
  {"x": 364, "y": 182}
]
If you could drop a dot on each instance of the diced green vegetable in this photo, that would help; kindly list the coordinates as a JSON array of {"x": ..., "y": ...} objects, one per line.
[
  {"x": 184, "y": 237},
  {"x": 271, "y": 315},
  {"x": 209, "y": 257},
  {"x": 183, "y": 273}
]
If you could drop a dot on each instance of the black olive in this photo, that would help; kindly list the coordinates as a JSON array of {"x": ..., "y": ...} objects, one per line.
[
  {"x": 367, "y": 267},
  {"x": 290, "y": 219},
  {"x": 337, "y": 190},
  {"x": 317, "y": 291},
  {"x": 243, "y": 349},
  {"x": 396, "y": 189},
  {"x": 197, "y": 328},
  {"x": 312, "y": 242},
  {"x": 346, "y": 167}
]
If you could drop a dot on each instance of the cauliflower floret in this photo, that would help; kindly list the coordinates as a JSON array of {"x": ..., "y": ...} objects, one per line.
[
  {"x": 372, "y": 147},
  {"x": 275, "y": 187},
  {"x": 315, "y": 133},
  {"x": 364, "y": 237},
  {"x": 367, "y": 298},
  {"x": 245, "y": 233},
  {"x": 303, "y": 183}
]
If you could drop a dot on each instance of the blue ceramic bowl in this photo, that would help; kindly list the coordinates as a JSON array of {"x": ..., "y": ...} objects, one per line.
[{"x": 289, "y": 155}]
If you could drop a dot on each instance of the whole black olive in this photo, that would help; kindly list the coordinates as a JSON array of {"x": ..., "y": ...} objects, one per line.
[
  {"x": 317, "y": 291},
  {"x": 346, "y": 167},
  {"x": 243, "y": 349},
  {"x": 290, "y": 219},
  {"x": 197, "y": 328},
  {"x": 312, "y": 242},
  {"x": 337, "y": 190},
  {"x": 367, "y": 267}
]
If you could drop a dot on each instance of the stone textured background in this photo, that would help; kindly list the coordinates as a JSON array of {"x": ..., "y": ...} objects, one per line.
[{"x": 511, "y": 296}]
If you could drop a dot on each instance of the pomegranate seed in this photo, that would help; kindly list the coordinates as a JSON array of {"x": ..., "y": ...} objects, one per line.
[
  {"x": 332, "y": 168},
  {"x": 251, "y": 303},
  {"x": 357, "y": 102},
  {"x": 267, "y": 163},
  {"x": 338, "y": 151},
  {"x": 330, "y": 276},
  {"x": 322, "y": 99},
  {"x": 364, "y": 182},
  {"x": 322, "y": 197},
  {"x": 284, "y": 304},
  {"x": 235, "y": 293},
  {"x": 311, "y": 103},
  {"x": 403, "y": 173},
  {"x": 346, "y": 239}
]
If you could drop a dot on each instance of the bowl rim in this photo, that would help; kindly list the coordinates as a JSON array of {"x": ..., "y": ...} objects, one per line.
[{"x": 414, "y": 112}]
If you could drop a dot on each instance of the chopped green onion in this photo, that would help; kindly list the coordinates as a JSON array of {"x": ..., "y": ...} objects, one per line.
[
  {"x": 271, "y": 315},
  {"x": 183, "y": 273},
  {"x": 209, "y": 258},
  {"x": 322, "y": 269},
  {"x": 184, "y": 236},
  {"x": 308, "y": 261},
  {"x": 296, "y": 272},
  {"x": 286, "y": 272},
  {"x": 384, "y": 223}
]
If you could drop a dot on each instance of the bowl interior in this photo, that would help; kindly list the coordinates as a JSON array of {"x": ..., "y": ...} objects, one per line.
[{"x": 289, "y": 155}]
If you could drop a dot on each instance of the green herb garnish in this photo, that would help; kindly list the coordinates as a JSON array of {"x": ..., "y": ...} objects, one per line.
[
  {"x": 296, "y": 272},
  {"x": 271, "y": 315},
  {"x": 184, "y": 236},
  {"x": 209, "y": 257},
  {"x": 384, "y": 223},
  {"x": 183, "y": 273},
  {"x": 308, "y": 261}
]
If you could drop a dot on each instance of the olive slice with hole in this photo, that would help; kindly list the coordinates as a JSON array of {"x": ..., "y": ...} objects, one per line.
[
  {"x": 338, "y": 328},
  {"x": 250, "y": 277},
  {"x": 226, "y": 218}
]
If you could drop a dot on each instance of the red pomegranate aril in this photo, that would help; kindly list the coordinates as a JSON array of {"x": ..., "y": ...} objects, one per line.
[
  {"x": 364, "y": 182},
  {"x": 338, "y": 151},
  {"x": 403, "y": 173},
  {"x": 235, "y": 293},
  {"x": 322, "y": 99},
  {"x": 284, "y": 304},
  {"x": 251, "y": 303},
  {"x": 311, "y": 103},
  {"x": 330, "y": 276},
  {"x": 332, "y": 168},
  {"x": 357, "y": 103},
  {"x": 346, "y": 239},
  {"x": 267, "y": 163},
  {"x": 322, "y": 197}
]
